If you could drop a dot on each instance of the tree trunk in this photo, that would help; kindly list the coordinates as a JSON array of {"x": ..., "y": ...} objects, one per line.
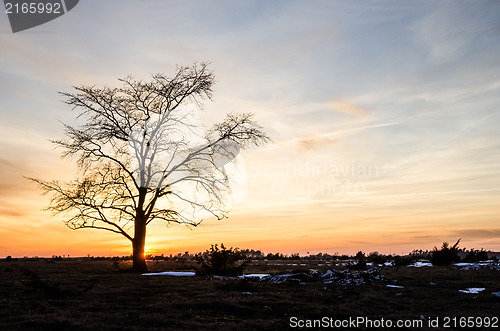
[{"x": 138, "y": 244}]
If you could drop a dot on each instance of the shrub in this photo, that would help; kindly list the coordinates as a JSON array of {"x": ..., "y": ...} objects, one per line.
[
  {"x": 377, "y": 258},
  {"x": 221, "y": 261},
  {"x": 474, "y": 255},
  {"x": 446, "y": 255},
  {"x": 403, "y": 261},
  {"x": 116, "y": 265},
  {"x": 420, "y": 254},
  {"x": 361, "y": 264}
]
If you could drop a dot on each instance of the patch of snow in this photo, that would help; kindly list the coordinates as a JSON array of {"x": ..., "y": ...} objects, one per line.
[
  {"x": 421, "y": 264},
  {"x": 395, "y": 286},
  {"x": 223, "y": 277},
  {"x": 388, "y": 264},
  {"x": 170, "y": 273},
  {"x": 473, "y": 290},
  {"x": 260, "y": 276},
  {"x": 248, "y": 293},
  {"x": 497, "y": 294}
]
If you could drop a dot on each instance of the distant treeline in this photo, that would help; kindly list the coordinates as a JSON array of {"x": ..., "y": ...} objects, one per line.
[{"x": 446, "y": 254}]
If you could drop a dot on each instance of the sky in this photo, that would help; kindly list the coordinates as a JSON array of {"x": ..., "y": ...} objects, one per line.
[{"x": 384, "y": 117}]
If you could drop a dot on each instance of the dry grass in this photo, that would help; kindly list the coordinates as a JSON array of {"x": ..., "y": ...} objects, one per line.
[{"x": 78, "y": 295}]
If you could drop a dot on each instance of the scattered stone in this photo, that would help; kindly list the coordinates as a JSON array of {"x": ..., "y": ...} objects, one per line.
[
  {"x": 478, "y": 266},
  {"x": 286, "y": 278},
  {"x": 343, "y": 278}
]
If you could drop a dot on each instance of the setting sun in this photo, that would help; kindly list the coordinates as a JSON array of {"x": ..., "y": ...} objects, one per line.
[{"x": 148, "y": 250}]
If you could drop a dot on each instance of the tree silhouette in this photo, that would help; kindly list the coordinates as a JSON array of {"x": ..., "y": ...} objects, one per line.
[{"x": 143, "y": 157}]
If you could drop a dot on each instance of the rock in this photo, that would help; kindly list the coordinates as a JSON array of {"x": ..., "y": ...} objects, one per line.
[
  {"x": 342, "y": 278},
  {"x": 285, "y": 278}
]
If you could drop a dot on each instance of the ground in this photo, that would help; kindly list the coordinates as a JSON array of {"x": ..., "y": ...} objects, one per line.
[{"x": 84, "y": 295}]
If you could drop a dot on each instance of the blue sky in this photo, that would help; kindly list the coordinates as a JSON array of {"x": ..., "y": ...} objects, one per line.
[{"x": 411, "y": 88}]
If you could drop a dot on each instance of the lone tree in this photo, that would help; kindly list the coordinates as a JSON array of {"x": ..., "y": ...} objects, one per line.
[{"x": 143, "y": 157}]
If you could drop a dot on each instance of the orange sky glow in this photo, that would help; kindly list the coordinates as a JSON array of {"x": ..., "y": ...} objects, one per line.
[{"x": 384, "y": 119}]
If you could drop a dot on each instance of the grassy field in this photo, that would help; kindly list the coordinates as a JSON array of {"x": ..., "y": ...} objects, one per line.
[{"x": 81, "y": 295}]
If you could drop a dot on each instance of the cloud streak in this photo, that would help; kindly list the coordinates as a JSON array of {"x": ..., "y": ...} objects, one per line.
[{"x": 348, "y": 108}]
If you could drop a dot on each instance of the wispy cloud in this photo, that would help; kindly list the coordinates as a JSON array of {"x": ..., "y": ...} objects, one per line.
[
  {"x": 326, "y": 139},
  {"x": 449, "y": 32},
  {"x": 348, "y": 108},
  {"x": 314, "y": 142}
]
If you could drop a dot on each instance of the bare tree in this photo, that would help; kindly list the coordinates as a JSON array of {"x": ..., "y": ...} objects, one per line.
[{"x": 143, "y": 156}]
